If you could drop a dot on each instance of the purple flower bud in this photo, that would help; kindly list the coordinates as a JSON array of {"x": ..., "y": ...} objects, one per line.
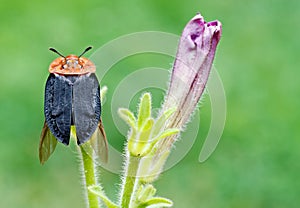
[{"x": 196, "y": 52}]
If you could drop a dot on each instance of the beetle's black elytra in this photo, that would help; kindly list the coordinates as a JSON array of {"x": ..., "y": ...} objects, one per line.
[{"x": 72, "y": 100}]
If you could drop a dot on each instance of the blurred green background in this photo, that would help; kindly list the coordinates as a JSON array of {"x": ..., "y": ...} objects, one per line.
[{"x": 256, "y": 163}]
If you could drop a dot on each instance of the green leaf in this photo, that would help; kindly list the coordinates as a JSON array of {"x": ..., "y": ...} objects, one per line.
[
  {"x": 98, "y": 191},
  {"x": 157, "y": 202},
  {"x": 128, "y": 117},
  {"x": 145, "y": 193},
  {"x": 145, "y": 131},
  {"x": 144, "y": 109},
  {"x": 140, "y": 144},
  {"x": 166, "y": 133}
]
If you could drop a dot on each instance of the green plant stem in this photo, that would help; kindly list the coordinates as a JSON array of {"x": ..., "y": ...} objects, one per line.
[
  {"x": 89, "y": 177},
  {"x": 130, "y": 180}
]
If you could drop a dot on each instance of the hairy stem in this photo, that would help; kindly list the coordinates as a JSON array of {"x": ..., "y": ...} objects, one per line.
[
  {"x": 89, "y": 177},
  {"x": 129, "y": 181}
]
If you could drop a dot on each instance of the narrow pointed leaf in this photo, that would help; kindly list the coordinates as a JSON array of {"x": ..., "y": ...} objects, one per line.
[
  {"x": 146, "y": 130},
  {"x": 127, "y": 116},
  {"x": 157, "y": 202},
  {"x": 147, "y": 192},
  {"x": 166, "y": 133},
  {"x": 144, "y": 109}
]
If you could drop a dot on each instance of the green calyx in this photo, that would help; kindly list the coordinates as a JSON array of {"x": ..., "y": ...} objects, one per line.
[
  {"x": 146, "y": 198},
  {"x": 145, "y": 131}
]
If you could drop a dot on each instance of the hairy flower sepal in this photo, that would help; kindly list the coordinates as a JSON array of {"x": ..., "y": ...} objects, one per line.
[
  {"x": 145, "y": 197},
  {"x": 145, "y": 131}
]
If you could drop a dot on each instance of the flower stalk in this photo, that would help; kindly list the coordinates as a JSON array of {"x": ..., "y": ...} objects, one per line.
[
  {"x": 130, "y": 181},
  {"x": 89, "y": 177}
]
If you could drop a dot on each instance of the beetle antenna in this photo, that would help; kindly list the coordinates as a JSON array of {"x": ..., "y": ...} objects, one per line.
[
  {"x": 86, "y": 50},
  {"x": 55, "y": 51}
]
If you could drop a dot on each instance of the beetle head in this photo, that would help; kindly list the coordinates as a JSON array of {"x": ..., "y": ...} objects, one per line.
[{"x": 72, "y": 64}]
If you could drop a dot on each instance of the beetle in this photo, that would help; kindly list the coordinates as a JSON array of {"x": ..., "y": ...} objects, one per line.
[{"x": 72, "y": 98}]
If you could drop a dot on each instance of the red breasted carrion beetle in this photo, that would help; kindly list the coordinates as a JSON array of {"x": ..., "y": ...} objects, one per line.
[{"x": 72, "y": 98}]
